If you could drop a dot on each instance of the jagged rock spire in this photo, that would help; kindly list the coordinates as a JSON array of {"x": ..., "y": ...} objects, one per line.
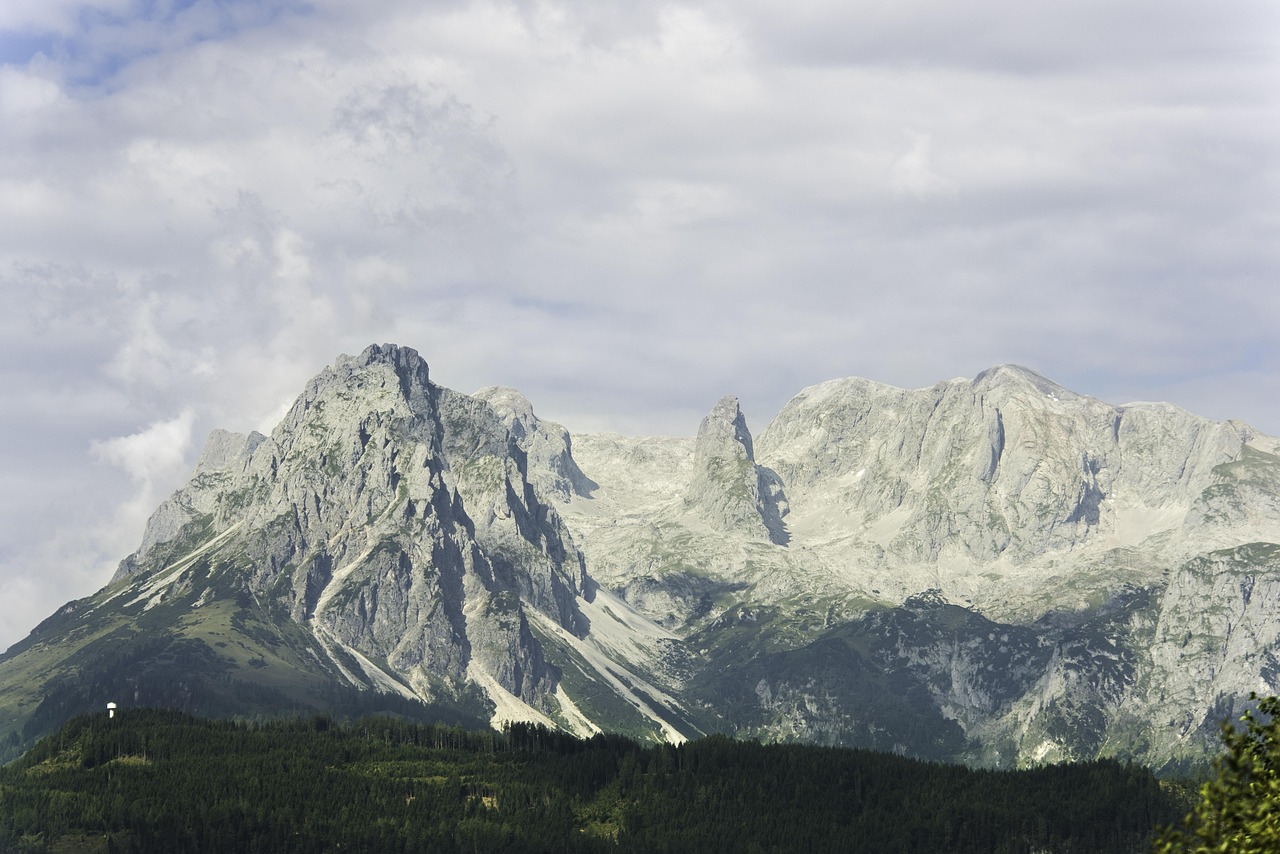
[{"x": 727, "y": 486}]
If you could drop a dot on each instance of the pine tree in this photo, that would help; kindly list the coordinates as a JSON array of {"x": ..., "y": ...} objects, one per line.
[{"x": 1239, "y": 809}]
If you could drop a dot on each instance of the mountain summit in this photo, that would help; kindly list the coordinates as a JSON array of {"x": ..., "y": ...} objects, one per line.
[
  {"x": 995, "y": 570},
  {"x": 731, "y": 491}
]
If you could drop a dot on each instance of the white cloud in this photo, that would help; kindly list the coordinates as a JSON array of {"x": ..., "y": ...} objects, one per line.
[
  {"x": 152, "y": 454},
  {"x": 627, "y": 210},
  {"x": 913, "y": 172},
  {"x": 155, "y": 459},
  {"x": 23, "y": 93}
]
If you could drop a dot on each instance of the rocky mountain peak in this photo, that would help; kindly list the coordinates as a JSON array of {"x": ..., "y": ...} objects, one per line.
[
  {"x": 394, "y": 523},
  {"x": 727, "y": 486},
  {"x": 1016, "y": 378},
  {"x": 512, "y": 407},
  {"x": 995, "y": 570},
  {"x": 547, "y": 446},
  {"x": 224, "y": 449},
  {"x": 724, "y": 433},
  {"x": 405, "y": 360},
  {"x": 384, "y": 377}
]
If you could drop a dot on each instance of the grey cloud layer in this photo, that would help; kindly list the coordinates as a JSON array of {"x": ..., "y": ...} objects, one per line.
[{"x": 625, "y": 210}]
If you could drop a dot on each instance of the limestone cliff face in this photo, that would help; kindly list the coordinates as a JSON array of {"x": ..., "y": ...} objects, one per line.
[
  {"x": 1096, "y": 575},
  {"x": 994, "y": 570},
  {"x": 547, "y": 446},
  {"x": 395, "y": 519},
  {"x": 1215, "y": 638},
  {"x": 1008, "y": 465},
  {"x": 727, "y": 487}
]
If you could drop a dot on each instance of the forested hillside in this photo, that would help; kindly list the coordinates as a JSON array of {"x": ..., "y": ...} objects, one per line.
[{"x": 161, "y": 781}]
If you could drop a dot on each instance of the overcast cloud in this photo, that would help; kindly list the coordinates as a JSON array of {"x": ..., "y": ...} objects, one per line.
[{"x": 626, "y": 210}]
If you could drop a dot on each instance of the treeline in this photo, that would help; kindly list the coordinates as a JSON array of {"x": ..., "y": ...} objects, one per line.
[
  {"x": 162, "y": 781},
  {"x": 162, "y": 670}
]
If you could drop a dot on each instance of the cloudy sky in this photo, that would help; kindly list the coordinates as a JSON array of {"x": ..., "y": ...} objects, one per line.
[{"x": 624, "y": 209}]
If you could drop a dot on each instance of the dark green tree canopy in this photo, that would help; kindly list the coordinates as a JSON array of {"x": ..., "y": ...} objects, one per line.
[{"x": 1239, "y": 808}]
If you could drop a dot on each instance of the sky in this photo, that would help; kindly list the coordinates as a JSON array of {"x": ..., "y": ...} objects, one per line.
[{"x": 626, "y": 210}]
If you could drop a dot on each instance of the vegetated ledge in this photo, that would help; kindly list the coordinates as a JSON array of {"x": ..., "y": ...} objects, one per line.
[{"x": 152, "y": 780}]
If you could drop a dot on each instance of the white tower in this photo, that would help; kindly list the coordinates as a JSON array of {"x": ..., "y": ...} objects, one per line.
[{"x": 111, "y": 710}]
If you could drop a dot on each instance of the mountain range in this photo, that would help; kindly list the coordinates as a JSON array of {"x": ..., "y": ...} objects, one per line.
[{"x": 993, "y": 570}]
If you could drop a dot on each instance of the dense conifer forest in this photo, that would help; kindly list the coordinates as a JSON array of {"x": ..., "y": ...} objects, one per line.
[{"x": 162, "y": 781}]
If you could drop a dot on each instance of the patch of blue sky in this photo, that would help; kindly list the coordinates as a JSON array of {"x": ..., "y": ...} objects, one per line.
[
  {"x": 106, "y": 41},
  {"x": 20, "y": 47}
]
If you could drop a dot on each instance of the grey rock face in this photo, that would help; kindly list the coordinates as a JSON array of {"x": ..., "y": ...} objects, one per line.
[
  {"x": 727, "y": 486},
  {"x": 1076, "y": 529},
  {"x": 547, "y": 446},
  {"x": 1006, "y": 465},
  {"x": 994, "y": 570},
  {"x": 223, "y": 457},
  {"x": 529, "y": 547},
  {"x": 1216, "y": 638},
  {"x": 396, "y": 520}
]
